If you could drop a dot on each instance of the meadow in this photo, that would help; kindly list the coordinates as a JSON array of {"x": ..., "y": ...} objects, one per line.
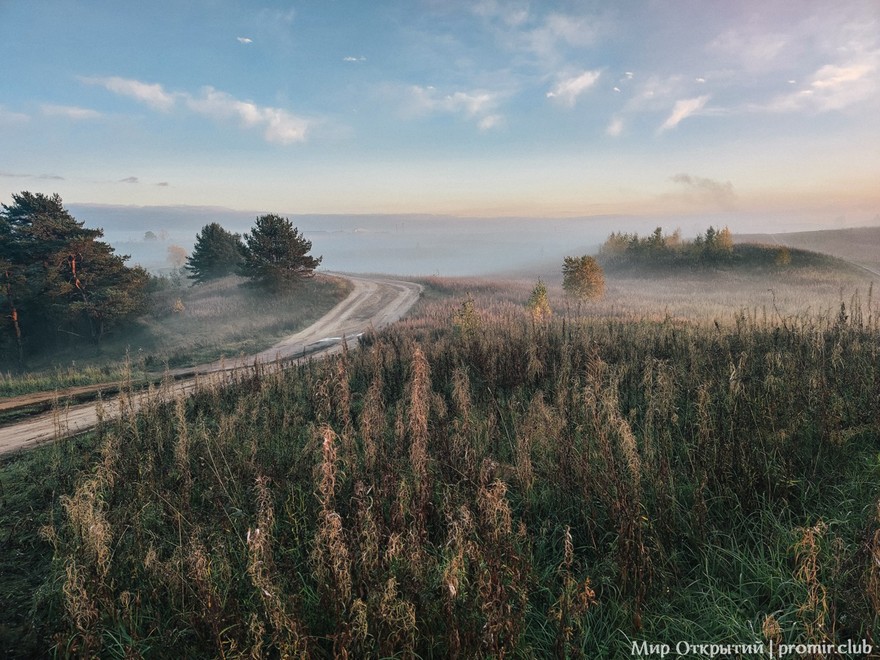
[{"x": 472, "y": 482}]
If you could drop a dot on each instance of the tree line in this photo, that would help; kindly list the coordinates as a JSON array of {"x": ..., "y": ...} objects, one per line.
[
  {"x": 61, "y": 285},
  {"x": 714, "y": 246}
]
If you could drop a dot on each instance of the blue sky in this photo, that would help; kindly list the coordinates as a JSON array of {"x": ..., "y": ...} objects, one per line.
[{"x": 436, "y": 106}]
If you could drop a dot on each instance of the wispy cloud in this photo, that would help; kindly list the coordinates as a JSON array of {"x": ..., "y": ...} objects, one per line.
[
  {"x": 163, "y": 184},
  {"x": 560, "y": 30},
  {"x": 478, "y": 105},
  {"x": 615, "y": 127},
  {"x": 69, "y": 111},
  {"x": 510, "y": 13},
  {"x": 683, "y": 109},
  {"x": 16, "y": 175},
  {"x": 279, "y": 126},
  {"x": 752, "y": 50},
  {"x": 130, "y": 179},
  {"x": 352, "y": 58},
  {"x": 244, "y": 40},
  {"x": 832, "y": 87},
  {"x": 153, "y": 94},
  {"x": 702, "y": 190},
  {"x": 568, "y": 90}
]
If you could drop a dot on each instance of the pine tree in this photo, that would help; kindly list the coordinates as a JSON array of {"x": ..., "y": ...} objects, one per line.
[
  {"x": 276, "y": 254},
  {"x": 58, "y": 277},
  {"x": 216, "y": 253}
]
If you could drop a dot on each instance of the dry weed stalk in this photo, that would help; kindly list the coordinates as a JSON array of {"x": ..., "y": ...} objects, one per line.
[
  {"x": 288, "y": 634},
  {"x": 814, "y": 611},
  {"x": 574, "y": 601},
  {"x": 419, "y": 398}
]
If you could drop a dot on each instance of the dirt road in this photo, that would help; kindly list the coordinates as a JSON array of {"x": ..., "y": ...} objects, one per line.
[{"x": 373, "y": 303}]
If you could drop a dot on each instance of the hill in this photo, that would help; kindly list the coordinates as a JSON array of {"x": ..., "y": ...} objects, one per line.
[{"x": 860, "y": 245}]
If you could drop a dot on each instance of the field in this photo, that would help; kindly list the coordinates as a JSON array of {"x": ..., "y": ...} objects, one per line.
[
  {"x": 692, "y": 458},
  {"x": 187, "y": 325}
]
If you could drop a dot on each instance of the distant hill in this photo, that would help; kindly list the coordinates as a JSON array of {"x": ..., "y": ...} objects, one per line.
[{"x": 861, "y": 245}]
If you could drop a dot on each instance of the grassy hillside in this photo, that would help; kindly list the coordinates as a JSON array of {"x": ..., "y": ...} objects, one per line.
[
  {"x": 472, "y": 483},
  {"x": 186, "y": 326},
  {"x": 858, "y": 244}
]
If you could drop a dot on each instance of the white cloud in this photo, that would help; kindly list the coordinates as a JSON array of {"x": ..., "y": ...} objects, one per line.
[
  {"x": 568, "y": 90},
  {"x": 832, "y": 87},
  {"x": 615, "y": 127},
  {"x": 69, "y": 111},
  {"x": 478, "y": 105},
  {"x": 352, "y": 58},
  {"x": 279, "y": 125},
  {"x": 490, "y": 121},
  {"x": 152, "y": 94},
  {"x": 245, "y": 40},
  {"x": 683, "y": 109}
]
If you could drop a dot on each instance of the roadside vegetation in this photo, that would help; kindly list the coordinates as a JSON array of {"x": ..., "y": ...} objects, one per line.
[
  {"x": 74, "y": 314},
  {"x": 477, "y": 480},
  {"x": 186, "y": 326}
]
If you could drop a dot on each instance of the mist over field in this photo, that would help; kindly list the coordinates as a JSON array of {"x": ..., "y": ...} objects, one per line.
[{"x": 415, "y": 244}]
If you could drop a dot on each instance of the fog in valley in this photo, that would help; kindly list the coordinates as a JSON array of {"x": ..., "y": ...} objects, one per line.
[{"x": 418, "y": 244}]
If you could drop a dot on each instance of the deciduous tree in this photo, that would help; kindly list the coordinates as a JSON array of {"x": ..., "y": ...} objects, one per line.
[{"x": 582, "y": 278}]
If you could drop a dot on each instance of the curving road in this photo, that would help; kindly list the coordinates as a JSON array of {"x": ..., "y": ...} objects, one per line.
[{"x": 373, "y": 303}]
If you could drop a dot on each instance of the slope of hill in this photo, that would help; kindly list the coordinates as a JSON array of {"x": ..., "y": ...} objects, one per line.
[{"x": 860, "y": 245}]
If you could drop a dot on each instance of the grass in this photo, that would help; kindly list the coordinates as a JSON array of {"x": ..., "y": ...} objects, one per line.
[
  {"x": 470, "y": 483},
  {"x": 187, "y": 326}
]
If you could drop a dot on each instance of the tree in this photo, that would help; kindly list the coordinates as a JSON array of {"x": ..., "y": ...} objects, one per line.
[
  {"x": 538, "y": 304},
  {"x": 55, "y": 273},
  {"x": 276, "y": 254},
  {"x": 582, "y": 278},
  {"x": 177, "y": 256},
  {"x": 98, "y": 287},
  {"x": 217, "y": 253}
]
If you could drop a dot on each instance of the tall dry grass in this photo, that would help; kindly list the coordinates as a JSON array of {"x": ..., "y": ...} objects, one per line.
[{"x": 520, "y": 489}]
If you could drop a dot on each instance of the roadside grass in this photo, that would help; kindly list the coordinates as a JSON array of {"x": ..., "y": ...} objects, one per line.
[
  {"x": 472, "y": 483},
  {"x": 212, "y": 320}
]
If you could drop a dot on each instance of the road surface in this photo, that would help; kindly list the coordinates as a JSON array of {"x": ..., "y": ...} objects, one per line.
[{"x": 372, "y": 303}]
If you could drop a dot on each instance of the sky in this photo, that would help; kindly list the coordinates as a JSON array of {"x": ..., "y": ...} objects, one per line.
[{"x": 472, "y": 108}]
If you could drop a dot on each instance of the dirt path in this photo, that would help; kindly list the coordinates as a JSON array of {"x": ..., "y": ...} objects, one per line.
[{"x": 373, "y": 303}]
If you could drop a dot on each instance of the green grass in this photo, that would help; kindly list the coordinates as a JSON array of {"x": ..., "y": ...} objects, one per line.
[
  {"x": 493, "y": 487},
  {"x": 218, "y": 319}
]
